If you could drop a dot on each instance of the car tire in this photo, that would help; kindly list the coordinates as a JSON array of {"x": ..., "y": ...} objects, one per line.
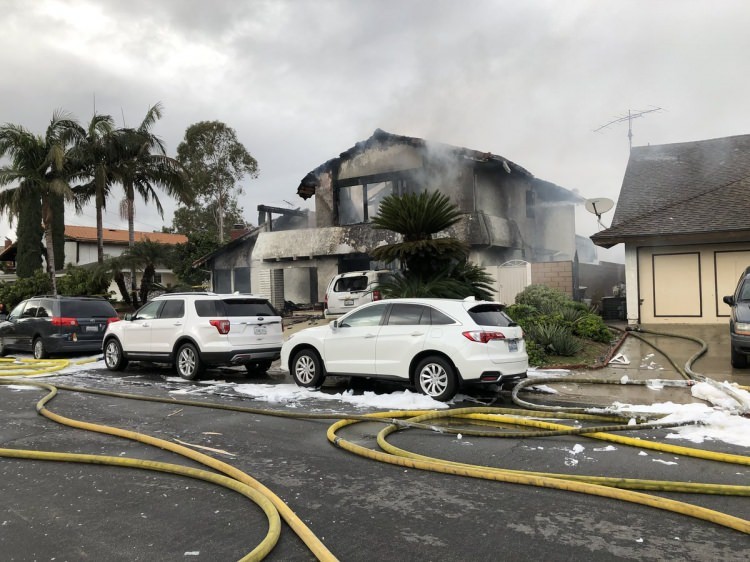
[
  {"x": 436, "y": 378},
  {"x": 739, "y": 360},
  {"x": 188, "y": 363},
  {"x": 307, "y": 369},
  {"x": 113, "y": 356},
  {"x": 40, "y": 352},
  {"x": 257, "y": 368},
  {"x": 2, "y": 348}
]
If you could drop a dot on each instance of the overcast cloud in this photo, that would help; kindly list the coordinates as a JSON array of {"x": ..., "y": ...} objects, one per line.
[{"x": 301, "y": 81}]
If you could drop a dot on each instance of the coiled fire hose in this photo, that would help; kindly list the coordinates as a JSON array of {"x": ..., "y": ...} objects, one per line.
[{"x": 612, "y": 487}]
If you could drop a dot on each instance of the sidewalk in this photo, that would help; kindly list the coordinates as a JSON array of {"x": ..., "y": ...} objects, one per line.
[{"x": 637, "y": 360}]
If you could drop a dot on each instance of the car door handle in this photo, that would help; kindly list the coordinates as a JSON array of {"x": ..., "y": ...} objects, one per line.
[
  {"x": 417, "y": 334},
  {"x": 368, "y": 336},
  {"x": 145, "y": 324},
  {"x": 177, "y": 324}
]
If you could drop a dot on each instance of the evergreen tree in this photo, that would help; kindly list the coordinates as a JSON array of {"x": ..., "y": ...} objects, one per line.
[{"x": 29, "y": 237}]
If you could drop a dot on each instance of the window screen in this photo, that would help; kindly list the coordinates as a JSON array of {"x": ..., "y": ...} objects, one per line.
[
  {"x": 222, "y": 281},
  {"x": 241, "y": 279}
]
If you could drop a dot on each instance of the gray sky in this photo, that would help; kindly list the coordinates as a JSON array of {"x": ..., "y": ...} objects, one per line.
[{"x": 301, "y": 81}]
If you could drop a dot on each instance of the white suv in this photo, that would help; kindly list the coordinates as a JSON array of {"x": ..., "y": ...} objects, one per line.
[
  {"x": 435, "y": 345},
  {"x": 346, "y": 291},
  {"x": 196, "y": 330}
]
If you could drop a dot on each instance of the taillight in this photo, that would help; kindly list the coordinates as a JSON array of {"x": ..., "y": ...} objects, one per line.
[
  {"x": 63, "y": 321},
  {"x": 113, "y": 319},
  {"x": 480, "y": 336},
  {"x": 221, "y": 325},
  {"x": 376, "y": 296}
]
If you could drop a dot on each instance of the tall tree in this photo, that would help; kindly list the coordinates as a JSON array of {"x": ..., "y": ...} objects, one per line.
[
  {"x": 143, "y": 167},
  {"x": 201, "y": 219},
  {"x": 97, "y": 156},
  {"x": 29, "y": 234},
  {"x": 40, "y": 166},
  {"x": 215, "y": 162}
]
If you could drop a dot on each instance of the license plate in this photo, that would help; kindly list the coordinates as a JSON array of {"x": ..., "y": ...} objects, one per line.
[
  {"x": 92, "y": 328},
  {"x": 260, "y": 330},
  {"x": 348, "y": 302},
  {"x": 512, "y": 345}
]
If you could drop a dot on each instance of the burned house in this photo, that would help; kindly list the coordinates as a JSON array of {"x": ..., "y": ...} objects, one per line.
[{"x": 511, "y": 220}]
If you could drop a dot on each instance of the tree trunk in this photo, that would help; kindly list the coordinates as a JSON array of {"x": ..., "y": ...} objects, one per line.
[
  {"x": 147, "y": 281},
  {"x": 99, "y": 228},
  {"x": 46, "y": 214},
  {"x": 130, "y": 204},
  {"x": 120, "y": 281}
]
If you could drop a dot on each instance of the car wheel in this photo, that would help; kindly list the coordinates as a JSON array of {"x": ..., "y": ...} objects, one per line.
[
  {"x": 257, "y": 368},
  {"x": 39, "y": 351},
  {"x": 739, "y": 360},
  {"x": 436, "y": 378},
  {"x": 307, "y": 369},
  {"x": 113, "y": 357},
  {"x": 188, "y": 362}
]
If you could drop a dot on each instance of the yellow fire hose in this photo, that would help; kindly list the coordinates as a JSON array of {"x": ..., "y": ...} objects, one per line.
[{"x": 611, "y": 487}]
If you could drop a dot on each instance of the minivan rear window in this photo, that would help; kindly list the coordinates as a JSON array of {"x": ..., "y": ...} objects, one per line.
[
  {"x": 87, "y": 309},
  {"x": 491, "y": 315}
]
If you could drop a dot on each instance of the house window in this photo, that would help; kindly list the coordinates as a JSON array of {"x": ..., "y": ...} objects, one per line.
[
  {"x": 360, "y": 203},
  {"x": 530, "y": 201},
  {"x": 157, "y": 278},
  {"x": 241, "y": 279},
  {"x": 351, "y": 206},
  {"x": 222, "y": 281}
]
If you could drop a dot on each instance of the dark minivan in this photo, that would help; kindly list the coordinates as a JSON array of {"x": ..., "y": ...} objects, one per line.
[
  {"x": 739, "y": 321},
  {"x": 53, "y": 324}
]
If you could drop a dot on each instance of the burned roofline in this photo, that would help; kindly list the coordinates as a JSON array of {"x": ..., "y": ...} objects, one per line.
[
  {"x": 252, "y": 233},
  {"x": 310, "y": 182}
]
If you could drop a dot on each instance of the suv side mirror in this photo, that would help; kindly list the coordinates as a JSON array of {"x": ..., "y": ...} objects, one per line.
[
  {"x": 729, "y": 299},
  {"x": 128, "y": 316},
  {"x": 334, "y": 324}
]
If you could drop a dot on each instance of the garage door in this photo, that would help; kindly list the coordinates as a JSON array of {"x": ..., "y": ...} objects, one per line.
[
  {"x": 677, "y": 285},
  {"x": 729, "y": 266}
]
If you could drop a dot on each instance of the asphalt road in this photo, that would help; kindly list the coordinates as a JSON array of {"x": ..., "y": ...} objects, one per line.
[{"x": 362, "y": 509}]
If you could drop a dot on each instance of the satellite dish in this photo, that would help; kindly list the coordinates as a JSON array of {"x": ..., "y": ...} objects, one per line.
[{"x": 599, "y": 206}]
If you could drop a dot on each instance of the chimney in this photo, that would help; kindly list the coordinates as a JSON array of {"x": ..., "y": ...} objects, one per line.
[
  {"x": 8, "y": 242},
  {"x": 237, "y": 231}
]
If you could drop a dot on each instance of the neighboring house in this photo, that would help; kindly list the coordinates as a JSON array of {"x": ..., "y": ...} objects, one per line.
[
  {"x": 81, "y": 248},
  {"x": 510, "y": 218},
  {"x": 684, "y": 217}
]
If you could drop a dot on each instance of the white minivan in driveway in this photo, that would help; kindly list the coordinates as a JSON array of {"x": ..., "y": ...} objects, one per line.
[
  {"x": 346, "y": 291},
  {"x": 435, "y": 345}
]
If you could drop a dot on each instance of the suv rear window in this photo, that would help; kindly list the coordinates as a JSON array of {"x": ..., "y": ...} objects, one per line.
[
  {"x": 491, "y": 315},
  {"x": 87, "y": 309},
  {"x": 358, "y": 283},
  {"x": 234, "y": 307}
]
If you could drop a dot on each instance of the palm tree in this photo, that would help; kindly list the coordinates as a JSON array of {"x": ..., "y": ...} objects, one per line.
[
  {"x": 431, "y": 266},
  {"x": 143, "y": 167},
  {"x": 418, "y": 218},
  {"x": 97, "y": 157},
  {"x": 147, "y": 255},
  {"x": 40, "y": 165}
]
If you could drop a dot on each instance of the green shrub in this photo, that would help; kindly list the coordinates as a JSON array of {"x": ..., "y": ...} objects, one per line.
[
  {"x": 90, "y": 281},
  {"x": 536, "y": 354},
  {"x": 23, "y": 288},
  {"x": 592, "y": 327},
  {"x": 555, "y": 339},
  {"x": 542, "y": 298}
]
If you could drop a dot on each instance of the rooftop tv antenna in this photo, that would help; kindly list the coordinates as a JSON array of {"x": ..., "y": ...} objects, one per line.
[
  {"x": 598, "y": 207},
  {"x": 632, "y": 114}
]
